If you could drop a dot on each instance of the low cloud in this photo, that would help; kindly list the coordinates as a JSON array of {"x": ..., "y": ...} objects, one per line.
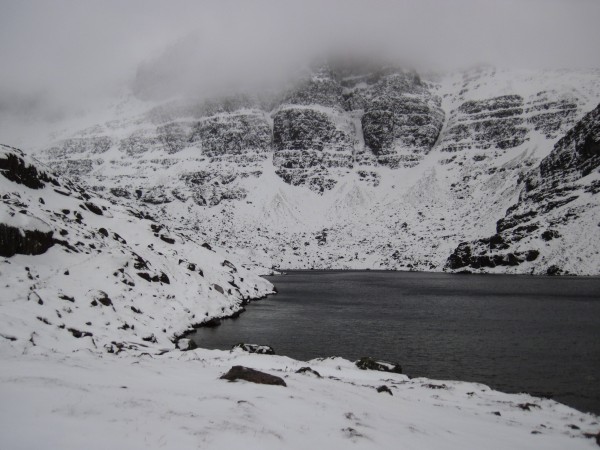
[{"x": 61, "y": 57}]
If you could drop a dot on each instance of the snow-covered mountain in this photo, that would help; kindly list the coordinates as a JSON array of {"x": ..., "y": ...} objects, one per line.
[
  {"x": 367, "y": 166},
  {"x": 80, "y": 271}
]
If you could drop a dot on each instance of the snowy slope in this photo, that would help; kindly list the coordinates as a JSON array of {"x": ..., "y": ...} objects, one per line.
[
  {"x": 178, "y": 401},
  {"x": 83, "y": 270}
]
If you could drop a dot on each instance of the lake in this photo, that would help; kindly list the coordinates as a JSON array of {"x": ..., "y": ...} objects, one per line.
[{"x": 514, "y": 333}]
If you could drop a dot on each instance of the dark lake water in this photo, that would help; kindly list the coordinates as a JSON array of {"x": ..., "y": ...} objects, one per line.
[{"x": 514, "y": 333}]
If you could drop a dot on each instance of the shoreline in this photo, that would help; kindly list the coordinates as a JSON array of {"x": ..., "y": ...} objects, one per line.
[
  {"x": 284, "y": 272},
  {"x": 560, "y": 394}
]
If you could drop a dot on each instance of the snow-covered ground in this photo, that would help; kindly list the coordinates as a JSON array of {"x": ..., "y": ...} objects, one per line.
[{"x": 176, "y": 400}]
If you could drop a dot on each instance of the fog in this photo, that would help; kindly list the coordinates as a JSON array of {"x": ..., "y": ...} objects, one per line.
[{"x": 62, "y": 58}]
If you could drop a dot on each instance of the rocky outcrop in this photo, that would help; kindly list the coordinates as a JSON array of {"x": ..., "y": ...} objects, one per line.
[
  {"x": 321, "y": 88},
  {"x": 402, "y": 118},
  {"x": 173, "y": 137},
  {"x": 75, "y": 168},
  {"x": 14, "y": 167},
  {"x": 82, "y": 145},
  {"x": 551, "y": 113},
  {"x": 492, "y": 123},
  {"x": 255, "y": 348},
  {"x": 15, "y": 240},
  {"x": 233, "y": 134},
  {"x": 309, "y": 144},
  {"x": 574, "y": 156},
  {"x": 476, "y": 257},
  {"x": 137, "y": 144},
  {"x": 367, "y": 363}
]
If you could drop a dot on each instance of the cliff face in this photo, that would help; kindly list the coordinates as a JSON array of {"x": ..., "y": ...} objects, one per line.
[
  {"x": 360, "y": 167},
  {"x": 556, "y": 216}
]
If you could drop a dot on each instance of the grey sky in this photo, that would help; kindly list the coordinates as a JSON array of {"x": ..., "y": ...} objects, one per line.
[{"x": 59, "y": 56}]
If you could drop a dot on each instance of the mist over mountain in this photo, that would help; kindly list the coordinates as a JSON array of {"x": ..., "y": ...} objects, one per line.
[{"x": 63, "y": 60}]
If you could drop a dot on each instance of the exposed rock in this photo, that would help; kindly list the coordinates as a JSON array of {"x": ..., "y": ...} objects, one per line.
[
  {"x": 402, "y": 118},
  {"x": 22, "y": 241},
  {"x": 551, "y": 113},
  {"x": 137, "y": 144},
  {"x": 229, "y": 265},
  {"x": 211, "y": 323},
  {"x": 94, "y": 208},
  {"x": 384, "y": 388},
  {"x": 167, "y": 239},
  {"x": 186, "y": 344},
  {"x": 78, "y": 146},
  {"x": 252, "y": 375},
  {"x": 173, "y": 137},
  {"x": 238, "y": 133},
  {"x": 75, "y": 168},
  {"x": 322, "y": 88},
  {"x": 101, "y": 297},
  {"x": 435, "y": 386},
  {"x": 309, "y": 370},
  {"x": 554, "y": 270},
  {"x": 150, "y": 338},
  {"x": 497, "y": 122},
  {"x": 302, "y": 129},
  {"x": 145, "y": 276},
  {"x": 218, "y": 288},
  {"x": 255, "y": 348},
  {"x": 367, "y": 363},
  {"x": 401, "y": 130},
  {"x": 79, "y": 334},
  {"x": 527, "y": 406},
  {"x": 308, "y": 145},
  {"x": 14, "y": 167}
]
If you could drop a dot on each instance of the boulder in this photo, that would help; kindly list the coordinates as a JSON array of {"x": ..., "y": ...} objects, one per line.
[
  {"x": 367, "y": 363},
  {"x": 186, "y": 344},
  {"x": 252, "y": 375}
]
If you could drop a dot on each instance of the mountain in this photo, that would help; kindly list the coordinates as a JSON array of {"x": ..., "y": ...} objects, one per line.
[
  {"x": 366, "y": 166},
  {"x": 84, "y": 272}
]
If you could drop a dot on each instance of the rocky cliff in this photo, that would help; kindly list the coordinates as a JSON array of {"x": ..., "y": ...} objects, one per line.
[{"x": 557, "y": 215}]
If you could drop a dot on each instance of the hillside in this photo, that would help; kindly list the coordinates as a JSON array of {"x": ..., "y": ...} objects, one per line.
[{"x": 82, "y": 272}]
